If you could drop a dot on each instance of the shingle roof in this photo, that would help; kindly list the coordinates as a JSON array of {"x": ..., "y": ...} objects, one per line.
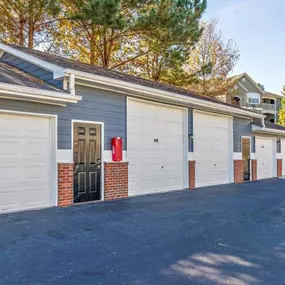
[
  {"x": 272, "y": 94},
  {"x": 93, "y": 69},
  {"x": 12, "y": 75},
  {"x": 268, "y": 125}
]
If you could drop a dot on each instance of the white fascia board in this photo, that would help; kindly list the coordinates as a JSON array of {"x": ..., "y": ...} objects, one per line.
[
  {"x": 16, "y": 92},
  {"x": 145, "y": 92},
  {"x": 258, "y": 129},
  {"x": 58, "y": 72}
]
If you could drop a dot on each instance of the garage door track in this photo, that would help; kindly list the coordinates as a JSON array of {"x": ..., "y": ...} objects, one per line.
[{"x": 230, "y": 234}]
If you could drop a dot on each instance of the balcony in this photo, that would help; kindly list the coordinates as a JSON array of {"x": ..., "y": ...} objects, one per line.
[{"x": 268, "y": 108}]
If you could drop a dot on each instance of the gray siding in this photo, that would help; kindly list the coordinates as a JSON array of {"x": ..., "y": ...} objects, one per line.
[
  {"x": 99, "y": 106},
  {"x": 241, "y": 127},
  {"x": 190, "y": 130},
  {"x": 31, "y": 69},
  {"x": 243, "y": 94}
]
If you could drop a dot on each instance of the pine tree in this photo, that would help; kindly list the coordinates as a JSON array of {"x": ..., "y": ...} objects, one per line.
[
  {"x": 25, "y": 22},
  {"x": 281, "y": 115},
  {"x": 117, "y": 33}
]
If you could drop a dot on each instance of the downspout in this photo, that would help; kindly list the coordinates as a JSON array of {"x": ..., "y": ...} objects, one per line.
[
  {"x": 262, "y": 122},
  {"x": 72, "y": 84}
]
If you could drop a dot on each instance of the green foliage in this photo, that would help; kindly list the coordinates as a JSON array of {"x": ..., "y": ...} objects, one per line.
[
  {"x": 281, "y": 115},
  {"x": 27, "y": 22},
  {"x": 261, "y": 86},
  {"x": 148, "y": 38}
]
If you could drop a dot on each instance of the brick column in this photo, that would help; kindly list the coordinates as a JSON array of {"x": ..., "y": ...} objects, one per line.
[
  {"x": 191, "y": 169},
  {"x": 279, "y": 167},
  {"x": 253, "y": 169},
  {"x": 65, "y": 184},
  {"x": 238, "y": 171},
  {"x": 116, "y": 180}
]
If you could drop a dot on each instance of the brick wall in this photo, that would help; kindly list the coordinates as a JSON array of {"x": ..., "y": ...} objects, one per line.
[
  {"x": 115, "y": 180},
  {"x": 65, "y": 184},
  {"x": 191, "y": 165},
  {"x": 238, "y": 171},
  {"x": 253, "y": 169},
  {"x": 279, "y": 167}
]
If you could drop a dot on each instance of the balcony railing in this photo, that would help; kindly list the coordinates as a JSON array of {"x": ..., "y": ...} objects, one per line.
[{"x": 268, "y": 107}]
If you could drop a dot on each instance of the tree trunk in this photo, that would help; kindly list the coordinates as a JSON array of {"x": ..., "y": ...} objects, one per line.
[
  {"x": 21, "y": 31},
  {"x": 92, "y": 52},
  {"x": 31, "y": 36},
  {"x": 105, "y": 53},
  {"x": 31, "y": 25}
]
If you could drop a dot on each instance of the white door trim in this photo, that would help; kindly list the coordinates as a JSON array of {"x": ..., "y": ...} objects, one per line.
[
  {"x": 102, "y": 190},
  {"x": 53, "y": 125},
  {"x": 184, "y": 132}
]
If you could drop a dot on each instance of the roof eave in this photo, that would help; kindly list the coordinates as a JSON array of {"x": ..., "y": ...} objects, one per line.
[
  {"x": 58, "y": 72},
  {"x": 141, "y": 91},
  {"x": 17, "y": 92},
  {"x": 260, "y": 130}
]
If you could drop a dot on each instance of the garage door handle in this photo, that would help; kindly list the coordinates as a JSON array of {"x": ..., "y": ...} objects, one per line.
[{"x": 215, "y": 164}]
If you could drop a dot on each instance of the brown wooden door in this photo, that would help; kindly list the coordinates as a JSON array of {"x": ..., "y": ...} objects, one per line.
[
  {"x": 87, "y": 162},
  {"x": 246, "y": 158}
]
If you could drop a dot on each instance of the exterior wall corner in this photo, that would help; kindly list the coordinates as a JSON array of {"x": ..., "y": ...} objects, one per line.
[
  {"x": 191, "y": 169},
  {"x": 279, "y": 167},
  {"x": 65, "y": 184},
  {"x": 116, "y": 176},
  {"x": 253, "y": 169},
  {"x": 238, "y": 171}
]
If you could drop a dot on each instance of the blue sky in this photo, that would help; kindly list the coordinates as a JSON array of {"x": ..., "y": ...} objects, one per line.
[{"x": 258, "y": 28}]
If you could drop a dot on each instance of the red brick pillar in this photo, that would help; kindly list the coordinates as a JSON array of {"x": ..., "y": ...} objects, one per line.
[
  {"x": 253, "y": 169},
  {"x": 65, "y": 184},
  {"x": 279, "y": 167},
  {"x": 238, "y": 171},
  {"x": 116, "y": 175},
  {"x": 191, "y": 168}
]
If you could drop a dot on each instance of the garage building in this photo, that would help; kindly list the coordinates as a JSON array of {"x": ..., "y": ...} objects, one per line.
[{"x": 58, "y": 118}]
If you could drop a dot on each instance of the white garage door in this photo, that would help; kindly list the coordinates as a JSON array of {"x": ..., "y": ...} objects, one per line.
[
  {"x": 283, "y": 155},
  {"x": 212, "y": 149},
  {"x": 155, "y": 147},
  {"x": 25, "y": 162},
  {"x": 265, "y": 154}
]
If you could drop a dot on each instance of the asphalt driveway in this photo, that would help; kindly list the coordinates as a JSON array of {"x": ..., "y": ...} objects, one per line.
[{"x": 231, "y": 234}]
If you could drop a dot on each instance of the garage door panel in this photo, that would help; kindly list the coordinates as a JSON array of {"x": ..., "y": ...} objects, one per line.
[
  {"x": 25, "y": 162},
  {"x": 212, "y": 137},
  {"x": 155, "y": 147},
  {"x": 265, "y": 155}
]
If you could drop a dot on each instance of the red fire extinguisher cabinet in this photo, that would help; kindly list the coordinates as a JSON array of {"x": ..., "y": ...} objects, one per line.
[{"x": 117, "y": 149}]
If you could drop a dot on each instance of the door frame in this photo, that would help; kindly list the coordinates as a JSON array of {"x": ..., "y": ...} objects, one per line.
[
  {"x": 102, "y": 150},
  {"x": 274, "y": 154},
  {"x": 250, "y": 139},
  {"x": 185, "y": 175},
  {"x": 53, "y": 133},
  {"x": 231, "y": 139}
]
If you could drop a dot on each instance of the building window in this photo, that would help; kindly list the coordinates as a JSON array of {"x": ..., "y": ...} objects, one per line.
[
  {"x": 253, "y": 98},
  {"x": 268, "y": 101},
  {"x": 278, "y": 146}
]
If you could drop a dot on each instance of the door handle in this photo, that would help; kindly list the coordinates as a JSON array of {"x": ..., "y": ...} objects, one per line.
[{"x": 75, "y": 168}]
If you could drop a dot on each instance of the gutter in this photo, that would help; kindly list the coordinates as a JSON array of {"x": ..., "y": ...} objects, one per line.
[
  {"x": 16, "y": 92},
  {"x": 141, "y": 91},
  {"x": 265, "y": 130}
]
